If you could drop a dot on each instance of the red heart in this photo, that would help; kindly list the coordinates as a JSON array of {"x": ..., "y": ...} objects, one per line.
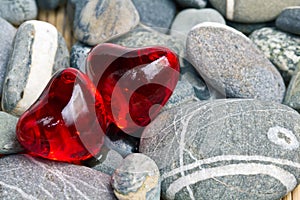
[
  {"x": 132, "y": 81},
  {"x": 68, "y": 120}
]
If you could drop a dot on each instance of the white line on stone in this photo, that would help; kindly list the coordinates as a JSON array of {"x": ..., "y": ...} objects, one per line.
[
  {"x": 44, "y": 49},
  {"x": 230, "y": 158},
  {"x": 230, "y": 9},
  {"x": 287, "y": 179},
  {"x": 19, "y": 190}
]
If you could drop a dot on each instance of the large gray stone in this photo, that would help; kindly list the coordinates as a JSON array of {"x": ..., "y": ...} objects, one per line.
[
  {"x": 188, "y": 18},
  {"x": 289, "y": 20},
  {"x": 18, "y": 11},
  {"x": 25, "y": 177},
  {"x": 7, "y": 34},
  {"x": 248, "y": 28},
  {"x": 283, "y": 49},
  {"x": 157, "y": 14},
  {"x": 39, "y": 50},
  {"x": 225, "y": 149},
  {"x": 232, "y": 64},
  {"x": 137, "y": 178},
  {"x": 97, "y": 21},
  {"x": 8, "y": 139},
  {"x": 254, "y": 11}
]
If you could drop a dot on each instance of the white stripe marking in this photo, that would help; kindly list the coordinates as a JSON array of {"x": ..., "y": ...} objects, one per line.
[
  {"x": 230, "y": 158},
  {"x": 230, "y": 9},
  {"x": 286, "y": 178},
  {"x": 44, "y": 49}
]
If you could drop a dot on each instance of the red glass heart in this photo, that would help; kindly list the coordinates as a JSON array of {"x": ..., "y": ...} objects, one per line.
[
  {"x": 68, "y": 120},
  {"x": 134, "y": 83}
]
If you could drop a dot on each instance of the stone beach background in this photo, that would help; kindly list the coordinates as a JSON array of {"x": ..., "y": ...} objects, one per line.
[{"x": 271, "y": 57}]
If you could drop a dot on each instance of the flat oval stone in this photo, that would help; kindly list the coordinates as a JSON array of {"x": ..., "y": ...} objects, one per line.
[
  {"x": 136, "y": 178},
  {"x": 25, "y": 177},
  {"x": 225, "y": 149},
  {"x": 232, "y": 64},
  {"x": 282, "y": 49},
  {"x": 18, "y": 11},
  {"x": 289, "y": 20},
  {"x": 7, "y": 34},
  {"x": 157, "y": 14},
  {"x": 254, "y": 11},
  {"x": 39, "y": 50},
  {"x": 188, "y": 18},
  {"x": 97, "y": 21},
  {"x": 8, "y": 140}
]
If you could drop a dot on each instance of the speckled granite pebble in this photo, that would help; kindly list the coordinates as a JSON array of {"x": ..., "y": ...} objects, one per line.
[
  {"x": 137, "y": 178},
  {"x": 283, "y": 49}
]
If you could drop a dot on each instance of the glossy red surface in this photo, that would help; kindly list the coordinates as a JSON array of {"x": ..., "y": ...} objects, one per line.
[
  {"x": 134, "y": 83},
  {"x": 68, "y": 120}
]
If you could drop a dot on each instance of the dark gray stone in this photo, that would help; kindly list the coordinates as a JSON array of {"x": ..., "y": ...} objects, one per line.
[
  {"x": 7, "y": 34},
  {"x": 248, "y": 28},
  {"x": 78, "y": 55},
  {"x": 188, "y": 18},
  {"x": 192, "y": 3},
  {"x": 232, "y": 64},
  {"x": 252, "y": 11},
  {"x": 183, "y": 93},
  {"x": 50, "y": 4},
  {"x": 282, "y": 49},
  {"x": 8, "y": 139},
  {"x": 157, "y": 14},
  {"x": 289, "y": 20},
  {"x": 38, "y": 52},
  {"x": 25, "y": 177},
  {"x": 225, "y": 149},
  {"x": 137, "y": 178},
  {"x": 100, "y": 20},
  {"x": 107, "y": 162},
  {"x": 292, "y": 96},
  {"x": 18, "y": 11},
  {"x": 120, "y": 141}
]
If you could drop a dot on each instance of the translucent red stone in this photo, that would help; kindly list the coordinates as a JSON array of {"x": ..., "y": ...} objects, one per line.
[
  {"x": 132, "y": 82},
  {"x": 68, "y": 120}
]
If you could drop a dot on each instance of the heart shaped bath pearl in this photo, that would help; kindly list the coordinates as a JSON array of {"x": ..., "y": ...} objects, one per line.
[
  {"x": 134, "y": 83},
  {"x": 67, "y": 122}
]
